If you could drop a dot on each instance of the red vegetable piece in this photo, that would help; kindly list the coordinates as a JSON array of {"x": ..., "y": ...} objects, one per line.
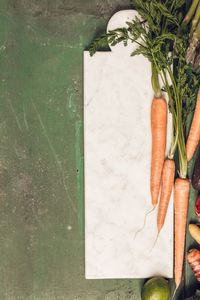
[
  {"x": 197, "y": 208},
  {"x": 193, "y": 258}
]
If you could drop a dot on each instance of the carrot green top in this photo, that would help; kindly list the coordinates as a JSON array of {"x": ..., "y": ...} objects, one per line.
[{"x": 162, "y": 34}]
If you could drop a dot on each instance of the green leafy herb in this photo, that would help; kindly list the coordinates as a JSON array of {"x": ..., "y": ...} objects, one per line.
[{"x": 112, "y": 38}]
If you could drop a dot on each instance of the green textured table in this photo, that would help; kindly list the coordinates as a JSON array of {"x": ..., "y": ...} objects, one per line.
[{"x": 41, "y": 151}]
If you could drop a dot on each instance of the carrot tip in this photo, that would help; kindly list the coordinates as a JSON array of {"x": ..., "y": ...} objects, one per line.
[
  {"x": 155, "y": 241},
  {"x": 174, "y": 292}
]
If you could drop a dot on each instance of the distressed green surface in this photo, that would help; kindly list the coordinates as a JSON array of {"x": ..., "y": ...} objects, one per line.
[{"x": 41, "y": 151}]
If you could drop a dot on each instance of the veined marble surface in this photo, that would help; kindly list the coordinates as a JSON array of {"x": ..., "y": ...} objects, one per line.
[{"x": 117, "y": 132}]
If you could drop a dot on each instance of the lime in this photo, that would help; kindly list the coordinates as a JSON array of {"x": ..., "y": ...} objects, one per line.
[{"x": 156, "y": 288}]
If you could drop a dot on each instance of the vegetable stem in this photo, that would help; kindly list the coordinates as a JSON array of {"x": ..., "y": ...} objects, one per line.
[
  {"x": 194, "y": 43},
  {"x": 155, "y": 81},
  {"x": 197, "y": 31},
  {"x": 174, "y": 121},
  {"x": 179, "y": 130},
  {"x": 195, "y": 20},
  {"x": 191, "y": 12},
  {"x": 175, "y": 113}
]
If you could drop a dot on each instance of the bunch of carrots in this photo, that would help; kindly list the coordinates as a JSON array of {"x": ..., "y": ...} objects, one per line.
[
  {"x": 154, "y": 37},
  {"x": 163, "y": 170}
]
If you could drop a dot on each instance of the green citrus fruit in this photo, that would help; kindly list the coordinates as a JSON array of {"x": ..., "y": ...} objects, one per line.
[{"x": 156, "y": 288}]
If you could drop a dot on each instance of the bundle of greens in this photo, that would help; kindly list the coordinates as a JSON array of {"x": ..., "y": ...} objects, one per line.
[{"x": 169, "y": 39}]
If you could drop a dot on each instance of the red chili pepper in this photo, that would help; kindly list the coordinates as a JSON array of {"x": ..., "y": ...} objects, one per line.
[{"x": 197, "y": 208}]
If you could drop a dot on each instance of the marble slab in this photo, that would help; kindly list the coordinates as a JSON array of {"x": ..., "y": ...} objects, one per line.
[{"x": 117, "y": 142}]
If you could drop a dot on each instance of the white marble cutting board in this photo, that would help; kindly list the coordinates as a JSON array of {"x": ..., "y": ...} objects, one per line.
[{"x": 117, "y": 141}]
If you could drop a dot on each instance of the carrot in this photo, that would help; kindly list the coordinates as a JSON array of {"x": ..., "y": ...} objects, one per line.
[
  {"x": 158, "y": 129},
  {"x": 166, "y": 190},
  {"x": 181, "y": 193},
  {"x": 194, "y": 133},
  {"x": 193, "y": 258}
]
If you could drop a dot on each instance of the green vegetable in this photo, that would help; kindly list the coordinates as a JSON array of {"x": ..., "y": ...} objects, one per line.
[{"x": 156, "y": 288}]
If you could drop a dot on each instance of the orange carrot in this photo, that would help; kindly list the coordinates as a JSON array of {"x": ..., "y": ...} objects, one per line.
[
  {"x": 181, "y": 193},
  {"x": 166, "y": 190},
  {"x": 193, "y": 258},
  {"x": 194, "y": 133},
  {"x": 158, "y": 129}
]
